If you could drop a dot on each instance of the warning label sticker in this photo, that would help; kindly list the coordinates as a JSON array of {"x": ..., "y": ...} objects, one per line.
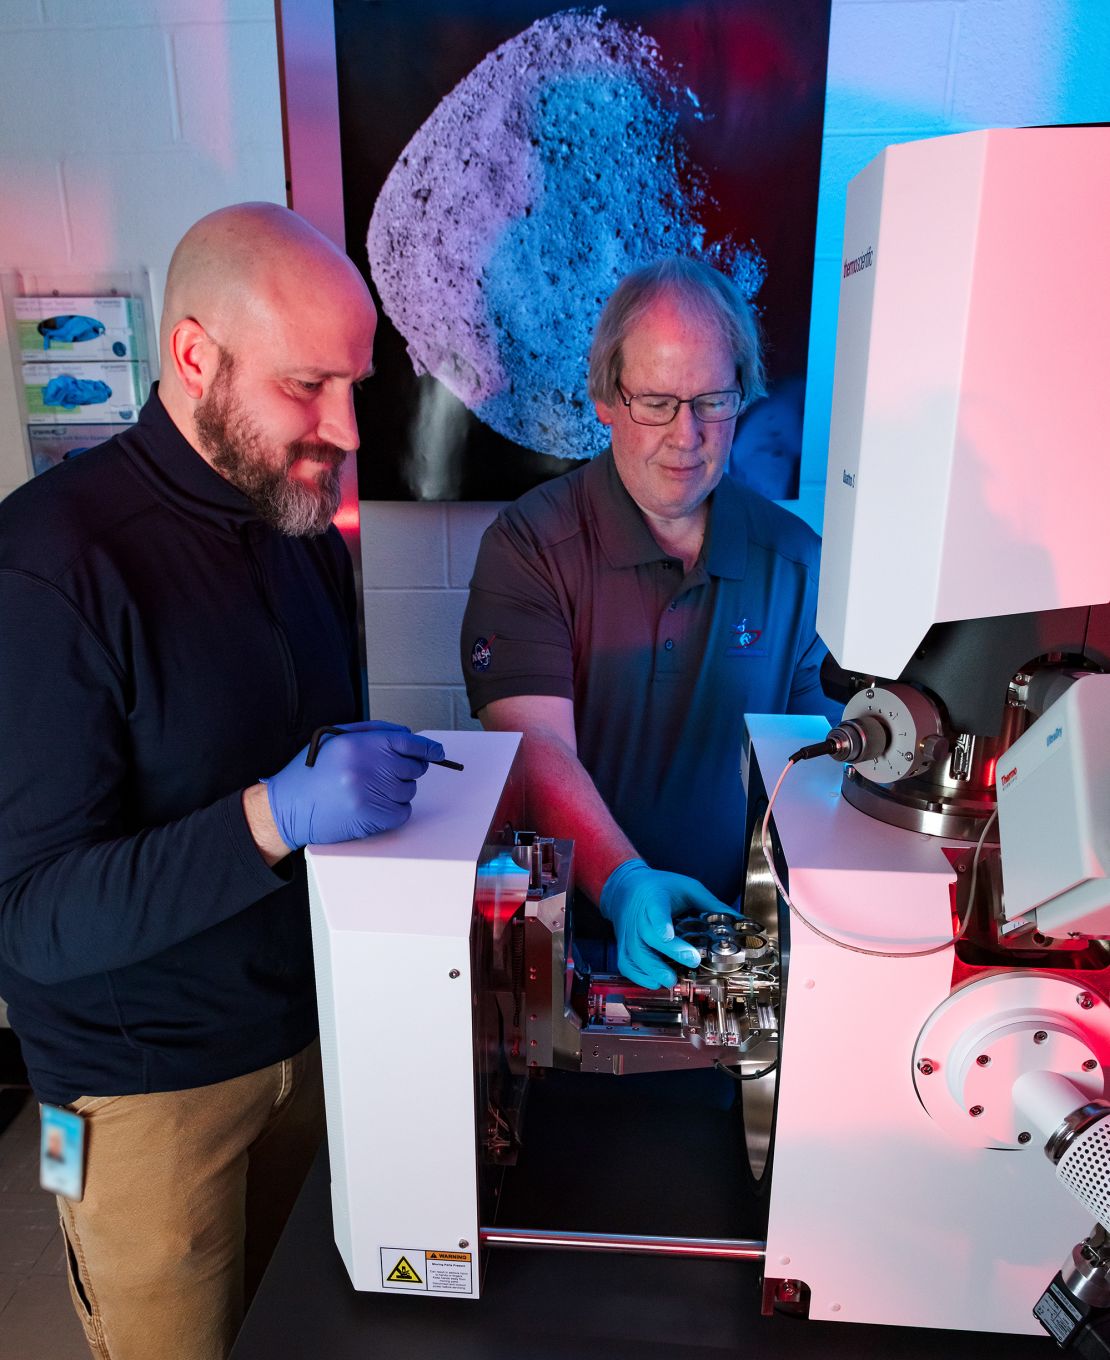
[
  {"x": 448, "y": 1271},
  {"x": 434, "y": 1272},
  {"x": 403, "y": 1273}
]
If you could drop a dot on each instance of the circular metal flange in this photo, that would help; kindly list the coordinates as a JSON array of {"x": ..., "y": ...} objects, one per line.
[
  {"x": 913, "y": 810},
  {"x": 982, "y": 1038},
  {"x": 912, "y": 722},
  {"x": 761, "y": 905}
]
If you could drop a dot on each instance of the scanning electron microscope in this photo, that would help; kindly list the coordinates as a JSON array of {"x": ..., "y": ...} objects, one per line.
[{"x": 918, "y": 991}]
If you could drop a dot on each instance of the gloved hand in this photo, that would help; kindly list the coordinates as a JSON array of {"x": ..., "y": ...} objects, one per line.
[
  {"x": 363, "y": 781},
  {"x": 640, "y": 902}
]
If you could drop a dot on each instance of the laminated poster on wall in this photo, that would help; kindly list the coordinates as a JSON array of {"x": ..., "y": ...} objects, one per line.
[{"x": 502, "y": 178}]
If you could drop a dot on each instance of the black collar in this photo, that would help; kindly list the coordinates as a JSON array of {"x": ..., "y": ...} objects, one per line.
[{"x": 170, "y": 465}]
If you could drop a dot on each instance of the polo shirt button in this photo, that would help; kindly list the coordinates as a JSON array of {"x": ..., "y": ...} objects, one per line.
[{"x": 669, "y": 644}]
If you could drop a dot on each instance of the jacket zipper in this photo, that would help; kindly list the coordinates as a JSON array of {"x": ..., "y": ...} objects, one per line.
[{"x": 258, "y": 577}]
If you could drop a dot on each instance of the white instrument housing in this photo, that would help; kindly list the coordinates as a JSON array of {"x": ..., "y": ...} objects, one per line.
[{"x": 968, "y": 474}]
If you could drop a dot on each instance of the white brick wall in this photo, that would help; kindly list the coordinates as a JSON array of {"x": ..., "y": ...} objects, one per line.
[
  {"x": 122, "y": 121},
  {"x": 179, "y": 114},
  {"x": 416, "y": 563}
]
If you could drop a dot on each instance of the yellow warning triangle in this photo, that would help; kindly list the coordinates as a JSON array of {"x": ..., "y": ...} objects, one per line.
[{"x": 403, "y": 1273}]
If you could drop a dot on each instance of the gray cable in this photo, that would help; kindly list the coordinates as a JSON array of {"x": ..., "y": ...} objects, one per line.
[{"x": 765, "y": 844}]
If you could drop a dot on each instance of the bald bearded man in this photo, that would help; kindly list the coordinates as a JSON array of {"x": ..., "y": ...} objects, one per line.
[{"x": 178, "y": 618}]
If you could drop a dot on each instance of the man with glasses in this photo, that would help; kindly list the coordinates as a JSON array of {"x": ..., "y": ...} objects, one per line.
[{"x": 626, "y": 616}]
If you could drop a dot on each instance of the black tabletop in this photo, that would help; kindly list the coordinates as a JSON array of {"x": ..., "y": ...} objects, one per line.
[{"x": 632, "y": 1155}]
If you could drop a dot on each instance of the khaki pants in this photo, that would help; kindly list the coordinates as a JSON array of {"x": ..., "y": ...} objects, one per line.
[{"x": 186, "y": 1193}]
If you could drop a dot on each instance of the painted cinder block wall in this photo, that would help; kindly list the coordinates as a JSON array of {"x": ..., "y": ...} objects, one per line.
[{"x": 121, "y": 121}]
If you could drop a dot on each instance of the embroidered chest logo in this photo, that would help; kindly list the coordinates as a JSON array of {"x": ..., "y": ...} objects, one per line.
[
  {"x": 742, "y": 639},
  {"x": 480, "y": 653}
]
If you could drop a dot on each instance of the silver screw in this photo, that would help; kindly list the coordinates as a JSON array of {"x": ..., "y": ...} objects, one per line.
[
  {"x": 975, "y": 1111},
  {"x": 983, "y": 1060},
  {"x": 1024, "y": 1137},
  {"x": 1085, "y": 1000},
  {"x": 926, "y": 1067},
  {"x": 454, "y": 973},
  {"x": 1040, "y": 1036},
  {"x": 463, "y": 1242}
]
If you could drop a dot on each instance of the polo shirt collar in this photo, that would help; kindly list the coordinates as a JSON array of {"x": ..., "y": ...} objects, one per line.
[
  {"x": 627, "y": 541},
  {"x": 726, "y": 550},
  {"x": 625, "y": 538}
]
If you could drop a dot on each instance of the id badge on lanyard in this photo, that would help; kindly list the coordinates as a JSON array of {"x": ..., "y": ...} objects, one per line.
[{"x": 62, "y": 1152}]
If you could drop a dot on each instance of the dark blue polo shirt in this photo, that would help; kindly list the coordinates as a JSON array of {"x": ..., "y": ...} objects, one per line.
[{"x": 572, "y": 596}]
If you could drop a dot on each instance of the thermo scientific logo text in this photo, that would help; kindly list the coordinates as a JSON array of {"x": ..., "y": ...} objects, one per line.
[{"x": 864, "y": 261}]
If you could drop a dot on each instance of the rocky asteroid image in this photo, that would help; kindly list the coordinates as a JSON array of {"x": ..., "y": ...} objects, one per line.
[{"x": 548, "y": 173}]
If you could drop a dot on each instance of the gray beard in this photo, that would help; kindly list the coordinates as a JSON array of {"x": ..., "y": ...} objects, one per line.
[
  {"x": 295, "y": 508},
  {"x": 237, "y": 451}
]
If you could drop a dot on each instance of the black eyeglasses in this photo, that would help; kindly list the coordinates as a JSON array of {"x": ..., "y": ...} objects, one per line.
[{"x": 655, "y": 408}]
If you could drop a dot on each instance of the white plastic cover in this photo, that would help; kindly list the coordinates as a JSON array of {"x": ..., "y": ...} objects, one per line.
[{"x": 968, "y": 474}]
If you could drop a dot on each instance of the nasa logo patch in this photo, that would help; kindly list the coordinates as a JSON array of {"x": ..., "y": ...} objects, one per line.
[
  {"x": 745, "y": 641},
  {"x": 480, "y": 654}
]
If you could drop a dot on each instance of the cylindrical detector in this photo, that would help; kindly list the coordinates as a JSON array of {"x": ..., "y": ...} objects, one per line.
[
  {"x": 1084, "y": 1167},
  {"x": 1077, "y": 1133},
  {"x": 1046, "y": 1099}
]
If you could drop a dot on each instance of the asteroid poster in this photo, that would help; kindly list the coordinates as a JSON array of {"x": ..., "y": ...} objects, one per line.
[{"x": 505, "y": 164}]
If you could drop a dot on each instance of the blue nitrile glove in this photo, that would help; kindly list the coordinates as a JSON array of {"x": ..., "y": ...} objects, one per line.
[
  {"x": 640, "y": 902},
  {"x": 69, "y": 330},
  {"x": 363, "y": 781},
  {"x": 70, "y": 392}
]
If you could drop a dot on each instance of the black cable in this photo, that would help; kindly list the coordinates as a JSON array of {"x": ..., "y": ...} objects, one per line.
[
  {"x": 819, "y": 748},
  {"x": 749, "y": 1076}
]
